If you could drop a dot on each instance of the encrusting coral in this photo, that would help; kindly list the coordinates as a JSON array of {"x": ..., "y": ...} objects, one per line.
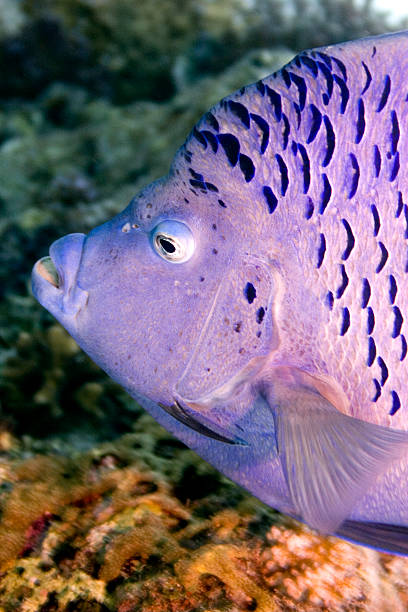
[{"x": 104, "y": 529}]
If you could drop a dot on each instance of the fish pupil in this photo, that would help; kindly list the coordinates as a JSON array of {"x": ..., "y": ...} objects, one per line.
[{"x": 166, "y": 245}]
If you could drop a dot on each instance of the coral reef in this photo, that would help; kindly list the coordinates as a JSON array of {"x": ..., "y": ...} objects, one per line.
[
  {"x": 108, "y": 530},
  {"x": 100, "y": 509}
]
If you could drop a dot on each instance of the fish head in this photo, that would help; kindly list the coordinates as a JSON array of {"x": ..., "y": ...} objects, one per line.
[{"x": 165, "y": 297}]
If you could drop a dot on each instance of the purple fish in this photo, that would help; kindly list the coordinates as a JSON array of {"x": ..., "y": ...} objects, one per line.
[{"x": 255, "y": 299}]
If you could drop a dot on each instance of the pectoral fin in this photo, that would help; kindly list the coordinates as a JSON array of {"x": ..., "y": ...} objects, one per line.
[
  {"x": 330, "y": 460},
  {"x": 203, "y": 426},
  {"x": 381, "y": 536}
]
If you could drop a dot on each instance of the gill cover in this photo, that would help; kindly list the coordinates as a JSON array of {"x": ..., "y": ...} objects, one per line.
[{"x": 238, "y": 332}]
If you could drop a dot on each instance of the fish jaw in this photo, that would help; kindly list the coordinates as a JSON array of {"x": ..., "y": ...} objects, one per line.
[{"x": 54, "y": 280}]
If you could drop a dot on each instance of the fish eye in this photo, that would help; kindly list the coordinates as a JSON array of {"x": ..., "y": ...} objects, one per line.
[{"x": 173, "y": 241}]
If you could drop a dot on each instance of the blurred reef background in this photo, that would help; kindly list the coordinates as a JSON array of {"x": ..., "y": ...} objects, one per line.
[{"x": 100, "y": 508}]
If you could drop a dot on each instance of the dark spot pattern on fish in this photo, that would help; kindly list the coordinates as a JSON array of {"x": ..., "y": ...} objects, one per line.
[
  {"x": 344, "y": 282},
  {"x": 393, "y": 289},
  {"x": 400, "y": 205},
  {"x": 385, "y": 93},
  {"x": 276, "y": 102},
  {"x": 329, "y": 82},
  {"x": 350, "y": 240},
  {"x": 271, "y": 199},
  {"x": 406, "y": 221},
  {"x": 360, "y": 121},
  {"x": 260, "y": 313},
  {"x": 211, "y": 139},
  {"x": 395, "y": 168},
  {"x": 309, "y": 209},
  {"x": 305, "y": 167},
  {"x": 286, "y": 77},
  {"x": 377, "y": 161},
  {"x": 326, "y": 58},
  {"x": 396, "y": 403},
  {"x": 198, "y": 184},
  {"x": 404, "y": 347},
  {"x": 247, "y": 167},
  {"x": 198, "y": 136},
  {"x": 250, "y": 292},
  {"x": 298, "y": 114},
  {"x": 370, "y": 320},
  {"x": 260, "y": 85},
  {"x": 196, "y": 175},
  {"x": 326, "y": 194},
  {"x": 345, "y": 322},
  {"x": 377, "y": 393},
  {"x": 369, "y": 78},
  {"x": 398, "y": 321},
  {"x": 211, "y": 187},
  {"x": 330, "y": 140},
  {"x": 384, "y": 257},
  {"x": 301, "y": 87},
  {"x": 309, "y": 63},
  {"x": 355, "y": 176},
  {"x": 240, "y": 111},
  {"x": 376, "y": 219},
  {"x": 374, "y": 51},
  {"x": 372, "y": 351},
  {"x": 340, "y": 65},
  {"x": 316, "y": 123},
  {"x": 264, "y": 127},
  {"x": 210, "y": 118},
  {"x": 384, "y": 370},
  {"x": 395, "y": 132},
  {"x": 230, "y": 144},
  {"x": 321, "y": 250},
  {"x": 344, "y": 93},
  {"x": 366, "y": 294},
  {"x": 330, "y": 300},
  {"x": 285, "y": 132},
  {"x": 283, "y": 169},
  {"x": 222, "y": 204}
]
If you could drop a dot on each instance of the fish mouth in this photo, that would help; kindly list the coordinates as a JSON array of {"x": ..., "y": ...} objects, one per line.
[
  {"x": 46, "y": 269},
  {"x": 54, "y": 278}
]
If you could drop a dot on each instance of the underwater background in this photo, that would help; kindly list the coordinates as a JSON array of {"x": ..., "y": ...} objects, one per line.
[{"x": 100, "y": 508}]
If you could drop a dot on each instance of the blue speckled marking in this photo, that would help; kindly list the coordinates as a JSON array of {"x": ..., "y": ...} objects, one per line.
[
  {"x": 385, "y": 93},
  {"x": 283, "y": 169},
  {"x": 316, "y": 123},
  {"x": 369, "y": 78},
  {"x": 230, "y": 144},
  {"x": 264, "y": 127},
  {"x": 355, "y": 177},
  {"x": 326, "y": 194},
  {"x": 396, "y": 403},
  {"x": 330, "y": 139},
  {"x": 271, "y": 199}
]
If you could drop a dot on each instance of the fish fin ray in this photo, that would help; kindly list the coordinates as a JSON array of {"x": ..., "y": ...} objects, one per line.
[
  {"x": 329, "y": 459},
  {"x": 381, "y": 536},
  {"x": 203, "y": 426}
]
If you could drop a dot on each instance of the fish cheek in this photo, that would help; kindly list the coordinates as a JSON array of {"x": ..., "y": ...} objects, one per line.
[{"x": 238, "y": 332}]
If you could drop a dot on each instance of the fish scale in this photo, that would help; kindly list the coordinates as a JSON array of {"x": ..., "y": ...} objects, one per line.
[
  {"x": 254, "y": 299},
  {"x": 370, "y": 114}
]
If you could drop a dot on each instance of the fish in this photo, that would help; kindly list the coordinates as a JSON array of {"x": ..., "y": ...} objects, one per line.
[{"x": 255, "y": 299}]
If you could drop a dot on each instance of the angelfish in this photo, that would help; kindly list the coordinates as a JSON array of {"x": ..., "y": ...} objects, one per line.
[{"x": 255, "y": 299}]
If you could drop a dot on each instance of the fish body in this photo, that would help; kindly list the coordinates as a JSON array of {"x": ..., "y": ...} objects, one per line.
[{"x": 254, "y": 300}]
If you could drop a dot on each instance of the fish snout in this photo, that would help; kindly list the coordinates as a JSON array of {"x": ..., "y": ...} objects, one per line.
[{"x": 54, "y": 278}]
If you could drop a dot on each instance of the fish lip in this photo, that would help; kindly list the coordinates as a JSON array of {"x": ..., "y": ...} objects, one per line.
[
  {"x": 54, "y": 277},
  {"x": 46, "y": 268}
]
